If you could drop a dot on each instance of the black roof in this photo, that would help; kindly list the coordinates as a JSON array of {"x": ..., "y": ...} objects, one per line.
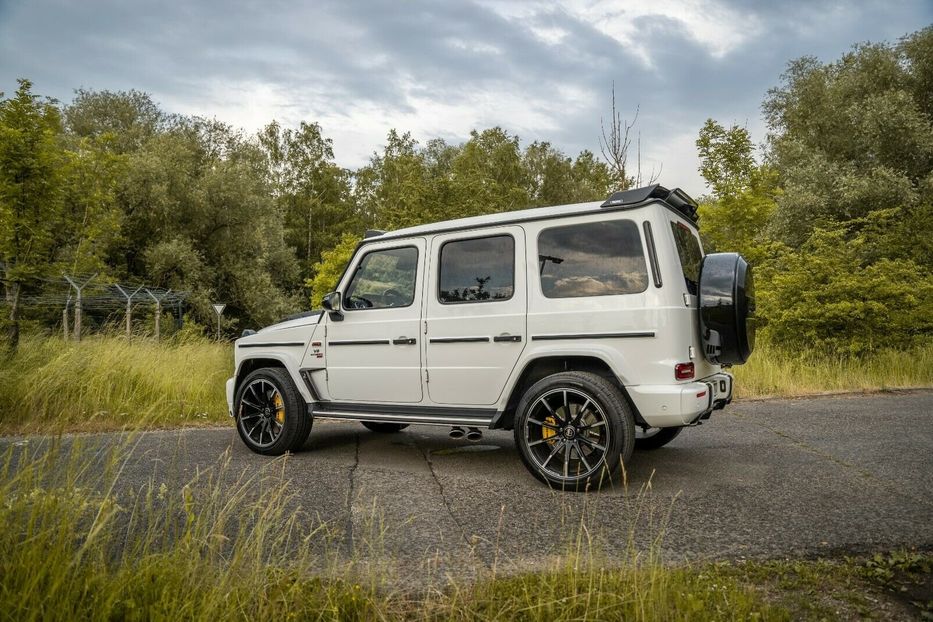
[{"x": 676, "y": 198}]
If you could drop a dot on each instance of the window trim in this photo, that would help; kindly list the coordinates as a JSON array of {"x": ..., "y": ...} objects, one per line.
[
  {"x": 363, "y": 257},
  {"x": 652, "y": 254},
  {"x": 440, "y": 268},
  {"x": 592, "y": 222}
]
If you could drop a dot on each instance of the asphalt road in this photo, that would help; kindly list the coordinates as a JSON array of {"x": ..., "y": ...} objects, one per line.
[{"x": 761, "y": 479}]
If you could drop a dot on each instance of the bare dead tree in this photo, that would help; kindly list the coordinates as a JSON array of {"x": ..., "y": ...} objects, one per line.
[
  {"x": 655, "y": 173},
  {"x": 614, "y": 144}
]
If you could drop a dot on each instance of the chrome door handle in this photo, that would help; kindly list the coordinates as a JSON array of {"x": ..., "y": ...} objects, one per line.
[
  {"x": 404, "y": 341},
  {"x": 507, "y": 338}
]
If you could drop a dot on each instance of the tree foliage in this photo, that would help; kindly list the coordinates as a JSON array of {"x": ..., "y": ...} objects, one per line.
[{"x": 839, "y": 216}]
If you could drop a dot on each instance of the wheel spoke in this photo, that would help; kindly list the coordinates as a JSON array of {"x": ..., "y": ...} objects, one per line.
[
  {"x": 553, "y": 453},
  {"x": 579, "y": 417},
  {"x": 553, "y": 412},
  {"x": 253, "y": 429},
  {"x": 592, "y": 444},
  {"x": 250, "y": 416},
  {"x": 582, "y": 457},
  {"x": 567, "y": 449},
  {"x": 538, "y": 442},
  {"x": 601, "y": 422},
  {"x": 544, "y": 424},
  {"x": 250, "y": 404}
]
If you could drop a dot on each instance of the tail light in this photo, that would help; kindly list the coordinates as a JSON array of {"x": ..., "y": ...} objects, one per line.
[{"x": 683, "y": 371}]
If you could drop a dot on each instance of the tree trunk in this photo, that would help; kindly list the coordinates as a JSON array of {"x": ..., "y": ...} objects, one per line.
[{"x": 12, "y": 295}]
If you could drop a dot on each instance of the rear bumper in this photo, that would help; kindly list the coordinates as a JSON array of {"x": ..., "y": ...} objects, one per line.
[{"x": 669, "y": 405}]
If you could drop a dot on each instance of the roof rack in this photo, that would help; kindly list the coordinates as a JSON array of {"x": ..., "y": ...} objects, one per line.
[{"x": 676, "y": 198}]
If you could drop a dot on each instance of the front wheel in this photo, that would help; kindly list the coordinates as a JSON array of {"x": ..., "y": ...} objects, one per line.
[
  {"x": 574, "y": 430},
  {"x": 655, "y": 438},
  {"x": 271, "y": 416}
]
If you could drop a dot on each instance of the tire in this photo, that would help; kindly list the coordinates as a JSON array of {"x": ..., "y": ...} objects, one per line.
[
  {"x": 384, "y": 428},
  {"x": 259, "y": 413},
  {"x": 599, "y": 413},
  {"x": 659, "y": 437},
  {"x": 726, "y": 299}
]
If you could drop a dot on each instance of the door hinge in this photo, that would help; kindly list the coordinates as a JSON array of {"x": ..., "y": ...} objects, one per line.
[
  {"x": 425, "y": 327},
  {"x": 427, "y": 376}
]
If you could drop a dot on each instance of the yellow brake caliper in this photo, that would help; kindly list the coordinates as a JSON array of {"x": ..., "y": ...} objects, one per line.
[
  {"x": 547, "y": 433},
  {"x": 279, "y": 408}
]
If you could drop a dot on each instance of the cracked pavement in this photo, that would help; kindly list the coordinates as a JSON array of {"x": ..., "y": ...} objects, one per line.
[{"x": 764, "y": 479}]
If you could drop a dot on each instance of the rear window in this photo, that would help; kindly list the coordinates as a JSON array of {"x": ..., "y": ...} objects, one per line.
[
  {"x": 592, "y": 259},
  {"x": 688, "y": 249}
]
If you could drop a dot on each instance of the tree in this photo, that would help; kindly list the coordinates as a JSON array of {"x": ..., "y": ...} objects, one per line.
[
  {"x": 736, "y": 215},
  {"x": 853, "y": 136},
  {"x": 487, "y": 175},
  {"x": 126, "y": 118},
  {"x": 329, "y": 269},
  {"x": 615, "y": 143},
  {"x": 30, "y": 193},
  {"x": 310, "y": 189}
]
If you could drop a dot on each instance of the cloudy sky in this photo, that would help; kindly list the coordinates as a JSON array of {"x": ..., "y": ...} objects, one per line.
[{"x": 543, "y": 70}]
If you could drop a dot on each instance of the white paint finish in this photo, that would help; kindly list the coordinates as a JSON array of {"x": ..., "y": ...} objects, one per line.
[
  {"x": 377, "y": 372},
  {"x": 473, "y": 373}
]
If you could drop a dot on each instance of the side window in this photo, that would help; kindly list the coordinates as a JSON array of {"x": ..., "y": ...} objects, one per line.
[
  {"x": 477, "y": 270},
  {"x": 592, "y": 259},
  {"x": 688, "y": 250},
  {"x": 383, "y": 279}
]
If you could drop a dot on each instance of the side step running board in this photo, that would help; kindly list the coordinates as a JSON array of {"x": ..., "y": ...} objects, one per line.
[{"x": 391, "y": 414}]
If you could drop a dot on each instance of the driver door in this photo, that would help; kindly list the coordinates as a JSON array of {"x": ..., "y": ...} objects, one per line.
[{"x": 373, "y": 354}]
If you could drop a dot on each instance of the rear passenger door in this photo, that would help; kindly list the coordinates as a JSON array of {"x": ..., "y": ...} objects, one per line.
[{"x": 475, "y": 314}]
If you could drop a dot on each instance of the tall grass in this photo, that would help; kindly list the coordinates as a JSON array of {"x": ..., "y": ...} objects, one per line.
[
  {"x": 108, "y": 382},
  {"x": 772, "y": 372},
  {"x": 112, "y": 383},
  {"x": 77, "y": 544}
]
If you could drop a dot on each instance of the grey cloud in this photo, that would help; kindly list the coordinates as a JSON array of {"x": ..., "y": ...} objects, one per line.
[{"x": 337, "y": 58}]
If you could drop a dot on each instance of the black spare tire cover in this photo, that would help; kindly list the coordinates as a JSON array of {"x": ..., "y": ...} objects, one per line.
[{"x": 727, "y": 308}]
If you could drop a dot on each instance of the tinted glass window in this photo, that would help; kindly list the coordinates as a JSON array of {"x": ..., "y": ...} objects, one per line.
[
  {"x": 592, "y": 259},
  {"x": 383, "y": 279},
  {"x": 477, "y": 270},
  {"x": 688, "y": 249}
]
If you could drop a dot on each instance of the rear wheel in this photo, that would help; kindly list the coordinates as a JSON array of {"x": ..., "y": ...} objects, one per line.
[
  {"x": 271, "y": 416},
  {"x": 574, "y": 430},
  {"x": 384, "y": 428},
  {"x": 655, "y": 438}
]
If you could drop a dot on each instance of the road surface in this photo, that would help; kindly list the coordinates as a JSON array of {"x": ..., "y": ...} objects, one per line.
[{"x": 761, "y": 479}]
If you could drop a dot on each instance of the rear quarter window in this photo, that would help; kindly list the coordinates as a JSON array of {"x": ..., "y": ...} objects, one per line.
[
  {"x": 689, "y": 253},
  {"x": 592, "y": 259}
]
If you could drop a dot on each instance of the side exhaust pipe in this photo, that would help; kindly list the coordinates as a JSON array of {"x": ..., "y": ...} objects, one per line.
[
  {"x": 474, "y": 435},
  {"x": 457, "y": 432}
]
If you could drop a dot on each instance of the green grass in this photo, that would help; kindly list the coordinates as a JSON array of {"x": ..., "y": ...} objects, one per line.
[
  {"x": 113, "y": 383},
  {"x": 107, "y": 383},
  {"x": 772, "y": 372}
]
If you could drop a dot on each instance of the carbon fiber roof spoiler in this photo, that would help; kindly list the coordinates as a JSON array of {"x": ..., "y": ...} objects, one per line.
[{"x": 676, "y": 198}]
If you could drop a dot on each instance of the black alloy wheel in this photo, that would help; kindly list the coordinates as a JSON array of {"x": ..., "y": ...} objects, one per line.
[
  {"x": 271, "y": 415},
  {"x": 574, "y": 430}
]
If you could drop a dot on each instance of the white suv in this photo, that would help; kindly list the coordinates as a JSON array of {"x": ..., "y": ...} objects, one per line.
[{"x": 588, "y": 329}]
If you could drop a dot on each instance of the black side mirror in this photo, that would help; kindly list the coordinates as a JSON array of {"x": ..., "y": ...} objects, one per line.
[{"x": 331, "y": 303}]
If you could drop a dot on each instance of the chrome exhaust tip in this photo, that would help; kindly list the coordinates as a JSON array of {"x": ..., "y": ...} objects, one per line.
[
  {"x": 457, "y": 432},
  {"x": 474, "y": 435}
]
